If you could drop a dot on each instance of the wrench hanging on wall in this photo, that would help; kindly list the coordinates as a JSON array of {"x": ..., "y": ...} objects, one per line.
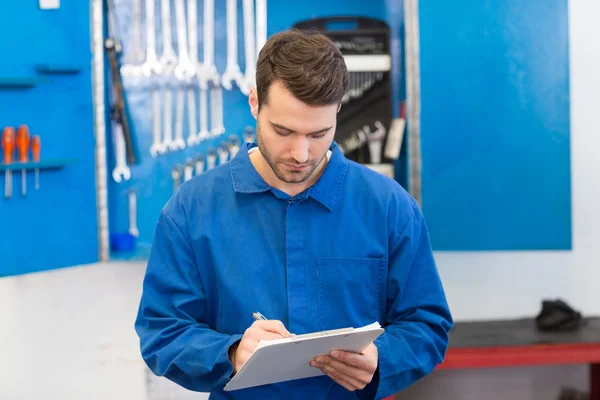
[
  {"x": 211, "y": 75},
  {"x": 156, "y": 148},
  {"x": 232, "y": 70},
  {"x": 133, "y": 229},
  {"x": 151, "y": 65},
  {"x": 121, "y": 171},
  {"x": 168, "y": 62},
  {"x": 192, "y": 14},
  {"x": 250, "y": 50},
  {"x": 185, "y": 70},
  {"x": 136, "y": 52},
  {"x": 120, "y": 108},
  {"x": 261, "y": 25},
  {"x": 168, "y": 59}
]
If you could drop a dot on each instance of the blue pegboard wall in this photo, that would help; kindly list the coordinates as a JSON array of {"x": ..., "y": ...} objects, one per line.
[
  {"x": 152, "y": 178},
  {"x": 495, "y": 124},
  {"x": 54, "y": 226}
]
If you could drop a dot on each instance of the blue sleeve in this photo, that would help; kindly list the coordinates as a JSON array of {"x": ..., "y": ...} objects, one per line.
[
  {"x": 175, "y": 340},
  {"x": 418, "y": 318}
]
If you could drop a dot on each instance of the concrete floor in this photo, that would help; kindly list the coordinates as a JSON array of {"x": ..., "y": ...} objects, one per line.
[{"x": 68, "y": 334}]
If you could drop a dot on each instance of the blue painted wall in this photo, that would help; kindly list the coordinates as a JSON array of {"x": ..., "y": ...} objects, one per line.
[
  {"x": 495, "y": 124},
  {"x": 56, "y": 225}
]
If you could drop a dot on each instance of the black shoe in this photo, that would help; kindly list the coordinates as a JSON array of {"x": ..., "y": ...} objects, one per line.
[{"x": 558, "y": 316}]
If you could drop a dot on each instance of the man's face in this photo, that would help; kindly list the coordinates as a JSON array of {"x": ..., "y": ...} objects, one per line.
[{"x": 292, "y": 136}]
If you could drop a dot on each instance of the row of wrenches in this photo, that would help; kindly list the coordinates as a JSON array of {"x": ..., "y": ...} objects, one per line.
[
  {"x": 186, "y": 68},
  {"x": 223, "y": 153},
  {"x": 185, "y": 65}
]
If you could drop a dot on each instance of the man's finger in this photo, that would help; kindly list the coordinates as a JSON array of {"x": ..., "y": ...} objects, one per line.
[
  {"x": 355, "y": 360},
  {"x": 346, "y": 381},
  {"x": 267, "y": 335},
  {"x": 357, "y": 376},
  {"x": 274, "y": 326}
]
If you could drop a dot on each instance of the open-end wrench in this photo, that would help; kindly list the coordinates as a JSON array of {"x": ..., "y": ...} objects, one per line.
[
  {"x": 199, "y": 162},
  {"x": 210, "y": 73},
  {"x": 185, "y": 69},
  {"x": 188, "y": 169},
  {"x": 234, "y": 145},
  {"x": 168, "y": 59},
  {"x": 232, "y": 70},
  {"x": 211, "y": 158},
  {"x": 176, "y": 174},
  {"x": 248, "y": 134},
  {"x": 156, "y": 148},
  {"x": 261, "y": 25},
  {"x": 133, "y": 229},
  {"x": 150, "y": 65},
  {"x": 192, "y": 14},
  {"x": 216, "y": 118},
  {"x": 250, "y": 51},
  {"x": 178, "y": 142},
  {"x": 167, "y": 143},
  {"x": 136, "y": 52},
  {"x": 193, "y": 138},
  {"x": 223, "y": 152},
  {"x": 121, "y": 171},
  {"x": 375, "y": 141},
  {"x": 204, "y": 134}
]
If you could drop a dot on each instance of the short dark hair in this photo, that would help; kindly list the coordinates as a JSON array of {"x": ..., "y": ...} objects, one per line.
[{"x": 307, "y": 63}]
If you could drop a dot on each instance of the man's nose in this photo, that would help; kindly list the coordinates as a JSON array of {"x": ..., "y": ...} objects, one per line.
[{"x": 299, "y": 150}]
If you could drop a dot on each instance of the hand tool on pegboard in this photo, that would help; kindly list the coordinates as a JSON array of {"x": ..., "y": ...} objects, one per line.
[
  {"x": 132, "y": 202},
  {"x": 176, "y": 174},
  {"x": 250, "y": 45},
  {"x": 365, "y": 45},
  {"x": 36, "y": 146},
  {"x": 211, "y": 73},
  {"x": 192, "y": 22},
  {"x": 232, "y": 70},
  {"x": 23, "y": 152},
  {"x": 120, "y": 111},
  {"x": 8, "y": 149}
]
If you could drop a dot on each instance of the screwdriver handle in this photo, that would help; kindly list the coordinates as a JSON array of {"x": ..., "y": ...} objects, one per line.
[
  {"x": 23, "y": 143},
  {"x": 36, "y": 145},
  {"x": 8, "y": 144}
]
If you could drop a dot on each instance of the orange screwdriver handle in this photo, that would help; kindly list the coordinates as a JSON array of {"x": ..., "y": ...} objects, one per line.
[
  {"x": 36, "y": 145},
  {"x": 8, "y": 144},
  {"x": 23, "y": 143}
]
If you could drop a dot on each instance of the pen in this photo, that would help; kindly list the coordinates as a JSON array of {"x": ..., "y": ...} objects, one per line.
[{"x": 258, "y": 316}]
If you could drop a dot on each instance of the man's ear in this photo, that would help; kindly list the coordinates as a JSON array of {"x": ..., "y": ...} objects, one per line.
[
  {"x": 253, "y": 102},
  {"x": 339, "y": 107}
]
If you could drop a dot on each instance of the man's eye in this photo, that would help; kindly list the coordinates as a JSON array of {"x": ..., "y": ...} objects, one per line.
[{"x": 282, "y": 133}]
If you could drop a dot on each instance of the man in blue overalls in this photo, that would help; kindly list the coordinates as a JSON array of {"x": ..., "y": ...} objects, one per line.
[{"x": 293, "y": 229}]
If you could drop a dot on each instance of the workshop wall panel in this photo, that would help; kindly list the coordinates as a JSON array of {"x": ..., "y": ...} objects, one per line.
[
  {"x": 54, "y": 226},
  {"x": 151, "y": 180},
  {"x": 495, "y": 124}
]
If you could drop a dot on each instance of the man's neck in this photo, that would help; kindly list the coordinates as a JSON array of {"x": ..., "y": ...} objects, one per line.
[{"x": 292, "y": 189}]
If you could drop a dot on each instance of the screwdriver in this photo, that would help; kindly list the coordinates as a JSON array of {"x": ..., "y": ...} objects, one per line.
[
  {"x": 23, "y": 150},
  {"x": 8, "y": 145},
  {"x": 36, "y": 145}
]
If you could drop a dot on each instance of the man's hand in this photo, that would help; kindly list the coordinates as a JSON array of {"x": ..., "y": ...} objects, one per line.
[
  {"x": 351, "y": 370},
  {"x": 259, "y": 330}
]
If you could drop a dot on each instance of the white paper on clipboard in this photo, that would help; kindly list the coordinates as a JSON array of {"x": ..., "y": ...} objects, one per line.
[{"x": 288, "y": 359}]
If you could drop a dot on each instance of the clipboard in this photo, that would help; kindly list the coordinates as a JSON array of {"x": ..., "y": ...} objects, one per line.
[{"x": 288, "y": 359}]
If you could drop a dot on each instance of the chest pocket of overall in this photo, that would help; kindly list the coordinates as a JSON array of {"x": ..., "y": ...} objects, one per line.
[{"x": 348, "y": 290}]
